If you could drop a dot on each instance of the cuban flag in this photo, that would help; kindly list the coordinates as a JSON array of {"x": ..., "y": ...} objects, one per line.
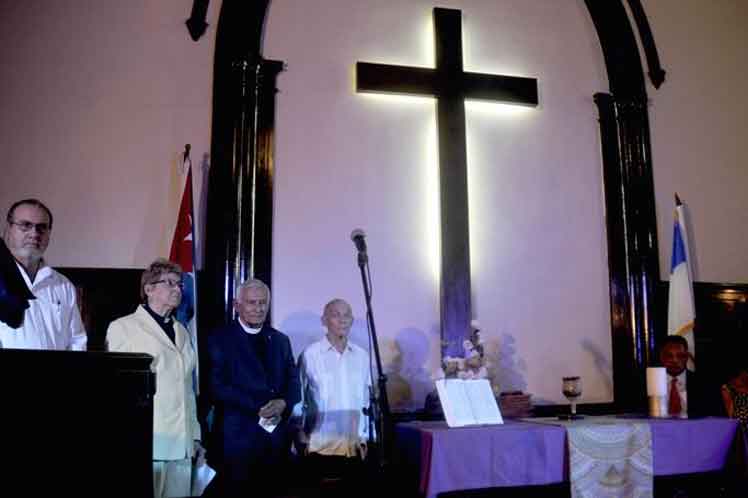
[
  {"x": 183, "y": 253},
  {"x": 681, "y": 309}
]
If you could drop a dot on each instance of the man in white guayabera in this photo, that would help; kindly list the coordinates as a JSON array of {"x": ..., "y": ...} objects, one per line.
[
  {"x": 52, "y": 320},
  {"x": 335, "y": 382}
]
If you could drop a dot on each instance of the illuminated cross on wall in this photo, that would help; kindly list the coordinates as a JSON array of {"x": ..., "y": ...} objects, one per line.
[{"x": 451, "y": 86}]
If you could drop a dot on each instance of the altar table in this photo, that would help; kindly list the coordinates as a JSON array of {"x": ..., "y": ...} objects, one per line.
[{"x": 524, "y": 453}]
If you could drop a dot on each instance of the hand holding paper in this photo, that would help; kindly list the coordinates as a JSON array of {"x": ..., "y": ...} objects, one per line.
[
  {"x": 273, "y": 408},
  {"x": 269, "y": 424}
]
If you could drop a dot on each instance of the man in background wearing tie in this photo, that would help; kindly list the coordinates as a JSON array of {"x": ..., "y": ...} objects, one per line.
[
  {"x": 674, "y": 357},
  {"x": 52, "y": 320},
  {"x": 687, "y": 394}
]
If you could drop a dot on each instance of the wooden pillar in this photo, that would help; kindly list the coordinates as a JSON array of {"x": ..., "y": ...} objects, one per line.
[
  {"x": 632, "y": 243},
  {"x": 630, "y": 204},
  {"x": 240, "y": 182}
]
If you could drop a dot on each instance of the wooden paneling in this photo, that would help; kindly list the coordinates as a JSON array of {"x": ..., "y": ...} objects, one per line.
[
  {"x": 104, "y": 294},
  {"x": 721, "y": 328}
]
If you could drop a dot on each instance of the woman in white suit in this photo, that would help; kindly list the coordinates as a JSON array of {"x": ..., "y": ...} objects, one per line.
[{"x": 152, "y": 330}]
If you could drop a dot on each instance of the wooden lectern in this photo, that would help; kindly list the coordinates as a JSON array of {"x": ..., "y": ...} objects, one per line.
[{"x": 76, "y": 423}]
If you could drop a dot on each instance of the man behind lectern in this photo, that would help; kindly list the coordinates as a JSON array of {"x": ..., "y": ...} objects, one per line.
[{"x": 52, "y": 320}]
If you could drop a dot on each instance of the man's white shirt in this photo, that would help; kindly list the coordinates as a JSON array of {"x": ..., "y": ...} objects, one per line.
[
  {"x": 335, "y": 389},
  {"x": 52, "y": 320}
]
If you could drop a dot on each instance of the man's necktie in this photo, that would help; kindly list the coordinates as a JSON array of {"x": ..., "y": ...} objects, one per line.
[{"x": 674, "y": 405}]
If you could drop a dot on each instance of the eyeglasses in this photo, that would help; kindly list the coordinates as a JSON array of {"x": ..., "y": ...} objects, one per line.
[
  {"x": 170, "y": 283},
  {"x": 27, "y": 226}
]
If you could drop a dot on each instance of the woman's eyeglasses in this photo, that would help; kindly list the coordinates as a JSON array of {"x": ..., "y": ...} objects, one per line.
[{"x": 170, "y": 283}]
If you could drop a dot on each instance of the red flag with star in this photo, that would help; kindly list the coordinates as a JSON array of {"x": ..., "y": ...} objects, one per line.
[{"x": 183, "y": 253}]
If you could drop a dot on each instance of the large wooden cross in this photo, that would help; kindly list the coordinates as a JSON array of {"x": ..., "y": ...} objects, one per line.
[{"x": 450, "y": 85}]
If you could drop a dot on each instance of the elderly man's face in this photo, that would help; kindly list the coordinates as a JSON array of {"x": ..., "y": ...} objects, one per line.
[
  {"x": 252, "y": 304},
  {"x": 338, "y": 319},
  {"x": 27, "y": 235},
  {"x": 166, "y": 293},
  {"x": 674, "y": 358}
]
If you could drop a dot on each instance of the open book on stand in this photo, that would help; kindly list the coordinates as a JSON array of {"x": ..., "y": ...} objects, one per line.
[{"x": 468, "y": 402}]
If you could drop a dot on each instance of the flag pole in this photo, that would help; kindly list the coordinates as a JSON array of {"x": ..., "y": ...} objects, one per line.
[
  {"x": 184, "y": 236},
  {"x": 188, "y": 159},
  {"x": 681, "y": 303}
]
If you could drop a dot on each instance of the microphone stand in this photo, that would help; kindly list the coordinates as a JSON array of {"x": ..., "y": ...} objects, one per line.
[{"x": 379, "y": 409}]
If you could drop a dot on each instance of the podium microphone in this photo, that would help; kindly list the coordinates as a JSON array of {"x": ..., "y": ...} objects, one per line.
[
  {"x": 357, "y": 236},
  {"x": 379, "y": 409}
]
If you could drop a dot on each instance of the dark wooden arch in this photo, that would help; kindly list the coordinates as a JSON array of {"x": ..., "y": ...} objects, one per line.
[
  {"x": 240, "y": 192},
  {"x": 633, "y": 262},
  {"x": 240, "y": 184}
]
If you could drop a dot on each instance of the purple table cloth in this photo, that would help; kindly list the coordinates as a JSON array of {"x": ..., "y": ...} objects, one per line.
[
  {"x": 691, "y": 445},
  {"x": 522, "y": 453}
]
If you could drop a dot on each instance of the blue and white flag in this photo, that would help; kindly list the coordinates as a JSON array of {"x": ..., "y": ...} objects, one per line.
[{"x": 681, "y": 309}]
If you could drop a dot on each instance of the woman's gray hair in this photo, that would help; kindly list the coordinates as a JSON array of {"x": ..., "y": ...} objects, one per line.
[
  {"x": 252, "y": 283},
  {"x": 154, "y": 272}
]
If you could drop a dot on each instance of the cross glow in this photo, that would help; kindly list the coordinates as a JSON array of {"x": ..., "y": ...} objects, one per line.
[
  {"x": 497, "y": 109},
  {"x": 431, "y": 203},
  {"x": 405, "y": 100},
  {"x": 475, "y": 108}
]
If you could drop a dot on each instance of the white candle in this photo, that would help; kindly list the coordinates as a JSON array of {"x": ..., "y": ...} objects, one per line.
[{"x": 656, "y": 381}]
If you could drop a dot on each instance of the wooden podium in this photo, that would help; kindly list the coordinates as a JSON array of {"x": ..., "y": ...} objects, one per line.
[{"x": 76, "y": 423}]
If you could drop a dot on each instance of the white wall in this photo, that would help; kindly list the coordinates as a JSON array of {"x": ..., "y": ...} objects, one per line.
[
  {"x": 699, "y": 121},
  {"x": 537, "y": 228},
  {"x": 99, "y": 97}
]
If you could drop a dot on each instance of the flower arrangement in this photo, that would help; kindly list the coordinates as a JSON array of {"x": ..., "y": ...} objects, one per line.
[{"x": 472, "y": 365}]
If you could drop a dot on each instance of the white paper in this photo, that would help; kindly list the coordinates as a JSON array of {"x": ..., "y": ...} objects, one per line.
[
  {"x": 656, "y": 381},
  {"x": 468, "y": 402},
  {"x": 267, "y": 424},
  {"x": 483, "y": 402},
  {"x": 201, "y": 477},
  {"x": 455, "y": 403}
]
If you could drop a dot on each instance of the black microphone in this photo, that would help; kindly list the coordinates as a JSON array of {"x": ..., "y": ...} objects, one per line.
[{"x": 357, "y": 236}]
